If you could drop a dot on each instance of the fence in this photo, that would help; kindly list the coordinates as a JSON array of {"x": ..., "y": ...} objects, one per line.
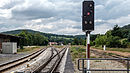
[{"x": 83, "y": 69}]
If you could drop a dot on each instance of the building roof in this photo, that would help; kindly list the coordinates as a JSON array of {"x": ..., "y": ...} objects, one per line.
[{"x": 7, "y": 35}]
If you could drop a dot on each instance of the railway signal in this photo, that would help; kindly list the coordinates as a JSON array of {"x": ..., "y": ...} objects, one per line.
[
  {"x": 88, "y": 25},
  {"x": 88, "y": 16}
]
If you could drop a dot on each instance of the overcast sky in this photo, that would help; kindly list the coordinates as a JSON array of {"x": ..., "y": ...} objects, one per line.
[{"x": 61, "y": 16}]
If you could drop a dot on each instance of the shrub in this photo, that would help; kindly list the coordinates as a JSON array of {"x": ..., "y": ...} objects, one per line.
[{"x": 113, "y": 42}]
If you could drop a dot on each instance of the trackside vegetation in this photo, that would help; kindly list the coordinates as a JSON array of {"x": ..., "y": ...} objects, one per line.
[
  {"x": 78, "y": 52},
  {"x": 116, "y": 38},
  {"x": 28, "y": 49}
]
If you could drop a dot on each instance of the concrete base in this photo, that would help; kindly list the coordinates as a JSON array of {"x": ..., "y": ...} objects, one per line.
[{"x": 69, "y": 65}]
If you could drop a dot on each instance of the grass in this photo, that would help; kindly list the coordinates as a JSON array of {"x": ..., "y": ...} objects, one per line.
[
  {"x": 120, "y": 49},
  {"x": 111, "y": 54},
  {"x": 114, "y": 49},
  {"x": 58, "y": 46},
  {"x": 98, "y": 61},
  {"x": 77, "y": 52},
  {"x": 25, "y": 49},
  {"x": 92, "y": 57}
]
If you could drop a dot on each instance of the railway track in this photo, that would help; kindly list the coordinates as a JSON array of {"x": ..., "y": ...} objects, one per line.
[
  {"x": 15, "y": 63},
  {"x": 51, "y": 65}
]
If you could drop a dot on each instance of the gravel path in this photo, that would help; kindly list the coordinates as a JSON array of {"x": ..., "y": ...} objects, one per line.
[
  {"x": 8, "y": 57},
  {"x": 4, "y": 58},
  {"x": 104, "y": 64},
  {"x": 34, "y": 63}
]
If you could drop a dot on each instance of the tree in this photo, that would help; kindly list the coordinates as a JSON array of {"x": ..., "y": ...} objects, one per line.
[
  {"x": 113, "y": 42},
  {"x": 82, "y": 41},
  {"x": 23, "y": 41},
  {"x": 32, "y": 39},
  {"x": 101, "y": 40},
  {"x": 79, "y": 41},
  {"x": 40, "y": 39},
  {"x": 117, "y": 31},
  {"x": 124, "y": 43},
  {"x": 128, "y": 37},
  {"x": 108, "y": 33},
  {"x": 76, "y": 41}
]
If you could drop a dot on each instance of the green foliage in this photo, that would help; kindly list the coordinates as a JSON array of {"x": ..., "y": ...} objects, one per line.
[
  {"x": 111, "y": 37},
  {"x": 79, "y": 41},
  {"x": 101, "y": 40},
  {"x": 48, "y": 35},
  {"x": 126, "y": 27},
  {"x": 77, "y": 52},
  {"x": 76, "y": 41},
  {"x": 32, "y": 39},
  {"x": 113, "y": 42},
  {"x": 108, "y": 33},
  {"x": 120, "y": 49},
  {"x": 27, "y": 49},
  {"x": 64, "y": 40},
  {"x": 115, "y": 38},
  {"x": 124, "y": 43},
  {"x": 128, "y": 37},
  {"x": 120, "y": 32},
  {"x": 93, "y": 37},
  {"x": 92, "y": 43},
  {"x": 116, "y": 31}
]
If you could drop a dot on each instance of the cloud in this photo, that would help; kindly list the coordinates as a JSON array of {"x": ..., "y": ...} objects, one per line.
[
  {"x": 113, "y": 9},
  {"x": 62, "y": 26},
  {"x": 46, "y": 9},
  {"x": 33, "y": 9},
  {"x": 124, "y": 20},
  {"x": 100, "y": 29},
  {"x": 7, "y": 4},
  {"x": 61, "y": 16}
]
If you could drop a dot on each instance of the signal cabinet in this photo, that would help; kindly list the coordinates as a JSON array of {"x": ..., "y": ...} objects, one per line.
[{"x": 88, "y": 16}]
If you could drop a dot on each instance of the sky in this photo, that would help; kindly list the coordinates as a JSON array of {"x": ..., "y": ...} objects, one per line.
[{"x": 61, "y": 16}]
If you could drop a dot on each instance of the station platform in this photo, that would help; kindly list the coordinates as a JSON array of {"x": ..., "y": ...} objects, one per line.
[{"x": 69, "y": 65}]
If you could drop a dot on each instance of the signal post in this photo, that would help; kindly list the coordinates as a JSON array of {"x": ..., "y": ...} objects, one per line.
[{"x": 88, "y": 25}]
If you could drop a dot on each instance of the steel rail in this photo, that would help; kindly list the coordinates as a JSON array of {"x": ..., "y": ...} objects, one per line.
[
  {"x": 40, "y": 68},
  {"x": 14, "y": 63},
  {"x": 54, "y": 67}
]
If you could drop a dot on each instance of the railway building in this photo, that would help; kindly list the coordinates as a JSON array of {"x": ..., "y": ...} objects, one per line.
[
  {"x": 53, "y": 43},
  {"x": 4, "y": 38}
]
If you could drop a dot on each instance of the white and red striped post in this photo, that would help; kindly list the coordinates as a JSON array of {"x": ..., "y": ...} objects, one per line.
[{"x": 88, "y": 50}]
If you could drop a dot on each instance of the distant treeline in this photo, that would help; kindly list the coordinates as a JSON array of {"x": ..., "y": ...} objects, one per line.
[
  {"x": 32, "y": 39},
  {"x": 117, "y": 37},
  {"x": 41, "y": 40},
  {"x": 38, "y": 39}
]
